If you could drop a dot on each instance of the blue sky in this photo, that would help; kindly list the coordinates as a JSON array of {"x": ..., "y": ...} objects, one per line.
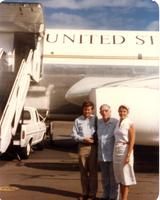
[{"x": 100, "y": 14}]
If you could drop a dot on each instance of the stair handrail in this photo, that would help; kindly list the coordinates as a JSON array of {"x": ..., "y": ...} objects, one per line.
[
  {"x": 1, "y": 52},
  {"x": 18, "y": 76},
  {"x": 15, "y": 102}
]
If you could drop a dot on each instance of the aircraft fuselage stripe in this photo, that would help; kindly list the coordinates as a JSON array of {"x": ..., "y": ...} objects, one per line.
[{"x": 139, "y": 57}]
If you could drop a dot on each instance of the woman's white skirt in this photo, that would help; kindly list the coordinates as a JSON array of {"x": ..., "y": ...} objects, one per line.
[{"x": 124, "y": 174}]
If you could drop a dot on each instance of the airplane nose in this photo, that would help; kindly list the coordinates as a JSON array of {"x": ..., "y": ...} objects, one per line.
[
  {"x": 76, "y": 94},
  {"x": 80, "y": 90}
]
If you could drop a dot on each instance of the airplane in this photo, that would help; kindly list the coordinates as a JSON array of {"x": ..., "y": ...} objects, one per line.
[
  {"x": 105, "y": 66},
  {"x": 123, "y": 64}
]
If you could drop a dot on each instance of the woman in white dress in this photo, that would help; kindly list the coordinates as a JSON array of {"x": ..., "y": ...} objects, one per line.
[{"x": 123, "y": 152}]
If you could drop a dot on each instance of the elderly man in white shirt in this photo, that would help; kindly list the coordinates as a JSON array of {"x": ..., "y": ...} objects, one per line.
[{"x": 105, "y": 131}]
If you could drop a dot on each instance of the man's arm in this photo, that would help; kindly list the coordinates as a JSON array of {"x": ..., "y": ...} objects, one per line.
[
  {"x": 75, "y": 133},
  {"x": 80, "y": 138}
]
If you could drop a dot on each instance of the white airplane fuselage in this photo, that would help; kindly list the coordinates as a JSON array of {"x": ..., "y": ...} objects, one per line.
[{"x": 76, "y": 61}]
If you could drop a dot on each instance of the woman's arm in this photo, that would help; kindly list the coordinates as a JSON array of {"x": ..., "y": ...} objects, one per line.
[{"x": 131, "y": 135}]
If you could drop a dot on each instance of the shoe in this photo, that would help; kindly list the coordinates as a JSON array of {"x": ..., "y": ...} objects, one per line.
[
  {"x": 85, "y": 197},
  {"x": 92, "y": 198}
]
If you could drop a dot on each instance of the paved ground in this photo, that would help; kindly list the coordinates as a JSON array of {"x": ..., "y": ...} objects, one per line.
[{"x": 53, "y": 174}]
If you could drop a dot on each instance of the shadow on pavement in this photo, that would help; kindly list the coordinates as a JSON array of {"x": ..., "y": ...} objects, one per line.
[
  {"x": 54, "y": 166},
  {"x": 146, "y": 159},
  {"x": 64, "y": 145},
  {"x": 47, "y": 190}
]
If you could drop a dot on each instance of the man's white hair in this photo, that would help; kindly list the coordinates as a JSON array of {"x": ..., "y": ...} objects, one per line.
[{"x": 105, "y": 106}]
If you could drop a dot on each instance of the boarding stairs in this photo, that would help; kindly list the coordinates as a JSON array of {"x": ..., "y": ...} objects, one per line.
[{"x": 24, "y": 36}]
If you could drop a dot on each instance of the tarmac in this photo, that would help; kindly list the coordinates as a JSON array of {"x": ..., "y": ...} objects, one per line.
[{"x": 53, "y": 174}]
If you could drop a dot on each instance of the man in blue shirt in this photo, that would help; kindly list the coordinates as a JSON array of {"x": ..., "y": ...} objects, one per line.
[
  {"x": 106, "y": 127},
  {"x": 84, "y": 133}
]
